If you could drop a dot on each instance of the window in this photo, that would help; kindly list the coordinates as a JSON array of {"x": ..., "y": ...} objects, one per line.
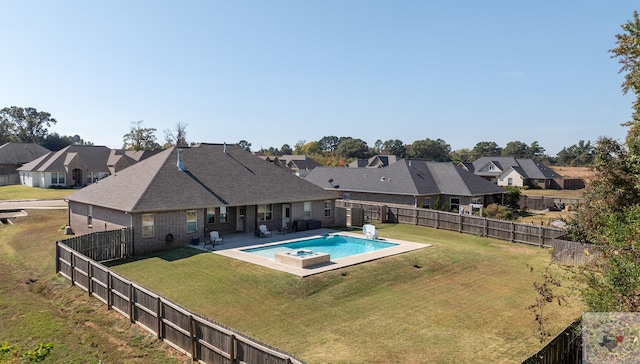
[
  {"x": 426, "y": 203},
  {"x": 307, "y": 210},
  {"x": 147, "y": 225},
  {"x": 57, "y": 178},
  {"x": 223, "y": 214},
  {"x": 265, "y": 212},
  {"x": 89, "y": 215},
  {"x": 211, "y": 215},
  {"x": 510, "y": 181},
  {"x": 327, "y": 209},
  {"x": 92, "y": 177},
  {"x": 454, "y": 204},
  {"x": 192, "y": 221}
]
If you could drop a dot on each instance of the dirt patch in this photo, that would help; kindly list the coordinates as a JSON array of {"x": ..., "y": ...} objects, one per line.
[{"x": 574, "y": 172}]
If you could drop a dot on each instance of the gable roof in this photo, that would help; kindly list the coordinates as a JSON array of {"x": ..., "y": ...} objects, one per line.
[
  {"x": 527, "y": 168},
  {"x": 377, "y": 161},
  {"x": 405, "y": 177},
  {"x": 213, "y": 175},
  {"x": 93, "y": 158},
  {"x": 20, "y": 153}
]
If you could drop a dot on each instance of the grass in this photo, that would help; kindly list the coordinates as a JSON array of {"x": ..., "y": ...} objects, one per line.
[
  {"x": 38, "y": 307},
  {"x": 463, "y": 300},
  {"x": 20, "y": 192}
]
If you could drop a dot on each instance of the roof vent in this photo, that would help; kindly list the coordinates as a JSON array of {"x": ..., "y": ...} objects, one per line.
[
  {"x": 180, "y": 164},
  {"x": 383, "y": 179},
  {"x": 224, "y": 148}
]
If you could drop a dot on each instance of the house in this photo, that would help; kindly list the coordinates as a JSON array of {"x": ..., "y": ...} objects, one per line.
[
  {"x": 508, "y": 171},
  {"x": 14, "y": 155},
  {"x": 78, "y": 166},
  {"x": 300, "y": 165},
  {"x": 418, "y": 183},
  {"x": 181, "y": 194},
  {"x": 377, "y": 161}
]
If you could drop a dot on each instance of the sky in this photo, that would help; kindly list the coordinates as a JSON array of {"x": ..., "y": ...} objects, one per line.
[{"x": 276, "y": 72}]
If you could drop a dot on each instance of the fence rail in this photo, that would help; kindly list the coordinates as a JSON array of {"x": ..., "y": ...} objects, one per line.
[
  {"x": 566, "y": 348},
  {"x": 196, "y": 336}
]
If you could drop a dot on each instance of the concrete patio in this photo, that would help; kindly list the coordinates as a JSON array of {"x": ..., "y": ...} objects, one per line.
[{"x": 233, "y": 244}]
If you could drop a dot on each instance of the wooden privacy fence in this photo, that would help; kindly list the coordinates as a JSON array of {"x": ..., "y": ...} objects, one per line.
[
  {"x": 566, "y": 348},
  {"x": 469, "y": 224},
  {"x": 572, "y": 253},
  {"x": 202, "y": 339},
  {"x": 103, "y": 245}
]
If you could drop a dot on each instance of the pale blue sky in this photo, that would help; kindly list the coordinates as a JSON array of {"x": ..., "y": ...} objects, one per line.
[{"x": 276, "y": 72}]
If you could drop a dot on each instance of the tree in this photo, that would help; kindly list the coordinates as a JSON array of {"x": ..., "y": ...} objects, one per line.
[
  {"x": 462, "y": 155},
  {"x": 54, "y": 142},
  {"x": 577, "y": 155},
  {"x": 303, "y": 148},
  {"x": 351, "y": 148},
  {"x": 245, "y": 145},
  {"x": 329, "y": 143},
  {"x": 286, "y": 150},
  {"x": 628, "y": 54},
  {"x": 139, "y": 137},
  {"x": 179, "y": 138},
  {"x": 394, "y": 147},
  {"x": 28, "y": 125},
  {"x": 378, "y": 146},
  {"x": 486, "y": 149},
  {"x": 437, "y": 150},
  {"x": 534, "y": 151},
  {"x": 515, "y": 149}
]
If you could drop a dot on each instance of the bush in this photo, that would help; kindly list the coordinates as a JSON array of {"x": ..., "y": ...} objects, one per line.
[{"x": 495, "y": 211}]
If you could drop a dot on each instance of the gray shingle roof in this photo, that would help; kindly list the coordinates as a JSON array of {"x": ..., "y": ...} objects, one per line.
[
  {"x": 21, "y": 153},
  {"x": 405, "y": 177},
  {"x": 212, "y": 178},
  {"x": 528, "y": 168},
  {"x": 94, "y": 159}
]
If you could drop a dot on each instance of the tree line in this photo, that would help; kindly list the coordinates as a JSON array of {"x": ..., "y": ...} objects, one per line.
[{"x": 28, "y": 125}]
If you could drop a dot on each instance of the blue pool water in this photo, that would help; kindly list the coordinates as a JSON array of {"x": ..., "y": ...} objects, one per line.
[{"x": 337, "y": 246}]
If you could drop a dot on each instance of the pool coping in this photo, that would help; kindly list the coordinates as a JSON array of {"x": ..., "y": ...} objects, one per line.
[{"x": 237, "y": 253}]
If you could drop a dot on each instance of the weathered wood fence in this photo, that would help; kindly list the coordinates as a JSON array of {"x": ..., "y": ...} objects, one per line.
[
  {"x": 564, "y": 252},
  {"x": 469, "y": 224},
  {"x": 103, "y": 245},
  {"x": 198, "y": 337},
  {"x": 566, "y": 348}
]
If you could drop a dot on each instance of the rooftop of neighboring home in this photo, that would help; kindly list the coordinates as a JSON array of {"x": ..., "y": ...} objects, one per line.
[
  {"x": 204, "y": 175},
  {"x": 20, "y": 153},
  {"x": 494, "y": 166},
  {"x": 94, "y": 159},
  {"x": 377, "y": 161},
  {"x": 405, "y": 177}
]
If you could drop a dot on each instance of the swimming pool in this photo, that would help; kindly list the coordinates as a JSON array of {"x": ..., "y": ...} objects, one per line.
[{"x": 337, "y": 246}]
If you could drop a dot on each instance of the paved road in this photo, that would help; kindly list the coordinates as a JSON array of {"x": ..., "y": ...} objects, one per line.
[{"x": 32, "y": 204}]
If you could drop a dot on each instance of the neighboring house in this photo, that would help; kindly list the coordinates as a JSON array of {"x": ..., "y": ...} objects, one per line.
[
  {"x": 377, "y": 161},
  {"x": 508, "y": 171},
  {"x": 412, "y": 182},
  {"x": 300, "y": 165},
  {"x": 78, "y": 166},
  {"x": 183, "y": 193},
  {"x": 14, "y": 155}
]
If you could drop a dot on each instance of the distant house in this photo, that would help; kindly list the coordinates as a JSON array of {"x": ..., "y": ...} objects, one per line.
[
  {"x": 412, "y": 182},
  {"x": 77, "y": 166},
  {"x": 183, "y": 193},
  {"x": 508, "y": 171},
  {"x": 377, "y": 161},
  {"x": 13, "y": 156},
  {"x": 300, "y": 165}
]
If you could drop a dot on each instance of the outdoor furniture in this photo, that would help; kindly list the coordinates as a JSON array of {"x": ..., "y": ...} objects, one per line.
[
  {"x": 264, "y": 231},
  {"x": 285, "y": 229},
  {"x": 214, "y": 237},
  {"x": 370, "y": 231}
]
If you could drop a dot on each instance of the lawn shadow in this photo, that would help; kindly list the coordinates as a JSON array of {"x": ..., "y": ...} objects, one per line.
[{"x": 171, "y": 255}]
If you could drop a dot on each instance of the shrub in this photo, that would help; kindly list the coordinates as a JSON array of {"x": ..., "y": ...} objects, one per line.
[{"x": 496, "y": 211}]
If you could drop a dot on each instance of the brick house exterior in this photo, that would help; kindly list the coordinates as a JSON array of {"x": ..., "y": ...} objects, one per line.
[{"x": 184, "y": 193}]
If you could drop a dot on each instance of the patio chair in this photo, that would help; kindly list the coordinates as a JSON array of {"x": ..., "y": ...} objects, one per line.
[
  {"x": 370, "y": 231},
  {"x": 264, "y": 231},
  {"x": 214, "y": 238}
]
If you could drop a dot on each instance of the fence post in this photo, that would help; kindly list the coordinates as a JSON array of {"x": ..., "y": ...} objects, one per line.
[
  {"x": 233, "y": 349},
  {"x": 57, "y": 256},
  {"x": 485, "y": 230},
  {"x": 437, "y": 220},
  {"x": 131, "y": 303},
  {"x": 109, "y": 289},
  {"x": 73, "y": 268},
  {"x": 416, "y": 216},
  {"x": 512, "y": 233},
  {"x": 159, "y": 316},
  {"x": 460, "y": 223},
  {"x": 541, "y": 236},
  {"x": 89, "y": 280},
  {"x": 192, "y": 330}
]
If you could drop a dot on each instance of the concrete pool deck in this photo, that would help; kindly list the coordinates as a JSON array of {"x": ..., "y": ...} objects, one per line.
[{"x": 233, "y": 245}]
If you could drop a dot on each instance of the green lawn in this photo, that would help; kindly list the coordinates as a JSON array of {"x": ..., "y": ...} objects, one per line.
[
  {"x": 37, "y": 307},
  {"x": 20, "y": 192},
  {"x": 462, "y": 300}
]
